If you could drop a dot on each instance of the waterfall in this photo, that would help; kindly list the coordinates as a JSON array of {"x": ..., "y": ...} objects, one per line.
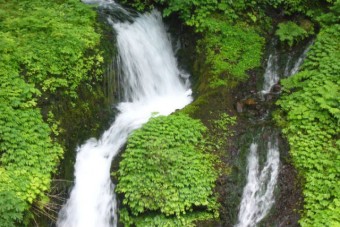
[
  {"x": 300, "y": 60},
  {"x": 274, "y": 70},
  {"x": 151, "y": 83},
  {"x": 258, "y": 194},
  {"x": 271, "y": 75}
]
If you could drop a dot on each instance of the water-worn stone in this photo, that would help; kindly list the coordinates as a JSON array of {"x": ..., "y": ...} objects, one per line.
[
  {"x": 239, "y": 107},
  {"x": 250, "y": 101}
]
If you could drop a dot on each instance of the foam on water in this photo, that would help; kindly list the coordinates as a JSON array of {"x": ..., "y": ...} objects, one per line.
[{"x": 151, "y": 83}]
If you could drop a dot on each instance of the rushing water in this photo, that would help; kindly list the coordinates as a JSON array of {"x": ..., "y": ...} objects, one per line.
[
  {"x": 151, "y": 83},
  {"x": 274, "y": 70},
  {"x": 298, "y": 62},
  {"x": 258, "y": 194},
  {"x": 271, "y": 76}
]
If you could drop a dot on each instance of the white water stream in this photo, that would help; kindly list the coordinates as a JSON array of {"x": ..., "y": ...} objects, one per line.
[
  {"x": 299, "y": 61},
  {"x": 273, "y": 73},
  {"x": 151, "y": 83},
  {"x": 258, "y": 194}
]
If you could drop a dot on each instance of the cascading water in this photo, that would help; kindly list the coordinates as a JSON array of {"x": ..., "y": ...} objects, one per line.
[
  {"x": 271, "y": 76},
  {"x": 151, "y": 83},
  {"x": 274, "y": 72},
  {"x": 299, "y": 61},
  {"x": 258, "y": 194}
]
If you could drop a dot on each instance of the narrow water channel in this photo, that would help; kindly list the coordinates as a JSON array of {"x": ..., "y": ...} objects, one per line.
[{"x": 263, "y": 162}]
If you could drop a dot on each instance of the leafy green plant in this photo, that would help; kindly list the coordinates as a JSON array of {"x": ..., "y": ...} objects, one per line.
[
  {"x": 230, "y": 52},
  {"x": 291, "y": 33},
  {"x": 11, "y": 208},
  {"x": 224, "y": 122},
  {"x": 50, "y": 42},
  {"x": 311, "y": 123},
  {"x": 165, "y": 176},
  {"x": 220, "y": 131},
  {"x": 28, "y": 155},
  {"x": 47, "y": 50}
]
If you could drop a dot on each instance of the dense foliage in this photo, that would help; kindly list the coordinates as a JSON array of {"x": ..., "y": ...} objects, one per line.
[
  {"x": 47, "y": 48},
  {"x": 197, "y": 13},
  {"x": 311, "y": 123},
  {"x": 28, "y": 155},
  {"x": 231, "y": 47},
  {"x": 47, "y": 42},
  {"x": 230, "y": 52},
  {"x": 165, "y": 176},
  {"x": 292, "y": 33}
]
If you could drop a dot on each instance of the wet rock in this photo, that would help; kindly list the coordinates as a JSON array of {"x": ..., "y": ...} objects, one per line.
[
  {"x": 276, "y": 88},
  {"x": 250, "y": 102},
  {"x": 239, "y": 107},
  {"x": 269, "y": 97}
]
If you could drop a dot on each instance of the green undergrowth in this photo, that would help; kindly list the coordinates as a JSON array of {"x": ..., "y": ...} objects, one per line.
[
  {"x": 48, "y": 50},
  {"x": 219, "y": 132},
  {"x": 310, "y": 117},
  {"x": 28, "y": 154},
  {"x": 292, "y": 33},
  {"x": 229, "y": 52},
  {"x": 166, "y": 176},
  {"x": 52, "y": 44}
]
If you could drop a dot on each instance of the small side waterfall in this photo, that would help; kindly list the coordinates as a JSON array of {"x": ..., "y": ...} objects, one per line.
[
  {"x": 258, "y": 194},
  {"x": 271, "y": 76},
  {"x": 299, "y": 61},
  {"x": 151, "y": 83},
  {"x": 280, "y": 65}
]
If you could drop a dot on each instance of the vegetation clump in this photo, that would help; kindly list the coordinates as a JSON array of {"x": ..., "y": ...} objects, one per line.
[
  {"x": 48, "y": 49},
  {"x": 291, "y": 33},
  {"x": 166, "y": 178},
  {"x": 310, "y": 117},
  {"x": 230, "y": 52}
]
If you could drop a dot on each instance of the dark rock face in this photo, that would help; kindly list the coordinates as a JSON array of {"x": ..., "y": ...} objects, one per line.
[
  {"x": 288, "y": 199},
  {"x": 276, "y": 88},
  {"x": 254, "y": 111}
]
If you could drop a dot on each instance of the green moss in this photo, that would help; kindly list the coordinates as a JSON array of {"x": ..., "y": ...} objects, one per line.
[
  {"x": 230, "y": 52},
  {"x": 195, "y": 105}
]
